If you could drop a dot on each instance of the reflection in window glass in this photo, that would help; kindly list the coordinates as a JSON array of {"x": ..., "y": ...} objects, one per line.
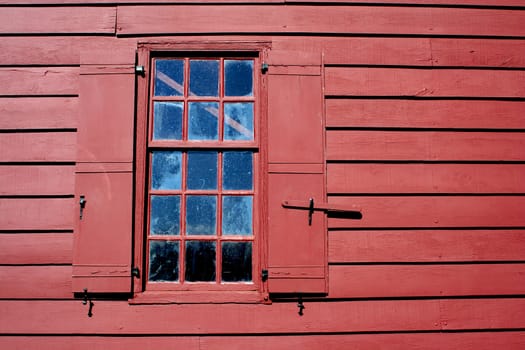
[
  {"x": 204, "y": 77},
  {"x": 163, "y": 261},
  {"x": 238, "y": 121},
  {"x": 203, "y": 121},
  {"x": 238, "y": 77},
  {"x": 237, "y": 171},
  {"x": 166, "y": 170},
  {"x": 202, "y": 170},
  {"x": 165, "y": 215},
  {"x": 167, "y": 120},
  {"x": 237, "y": 215},
  {"x": 169, "y": 77},
  {"x": 200, "y": 261},
  {"x": 201, "y": 215},
  {"x": 236, "y": 261}
]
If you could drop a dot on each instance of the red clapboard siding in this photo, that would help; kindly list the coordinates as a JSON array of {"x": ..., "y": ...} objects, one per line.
[
  {"x": 426, "y": 246},
  {"x": 346, "y": 81},
  {"x": 425, "y": 114},
  {"x": 510, "y": 340},
  {"x": 422, "y": 2},
  {"x": 38, "y": 113},
  {"x": 35, "y": 282},
  {"x": 426, "y": 178},
  {"x": 36, "y": 248},
  {"x": 36, "y": 214},
  {"x": 50, "y": 20},
  {"x": 392, "y": 281},
  {"x": 316, "y": 19},
  {"x": 482, "y": 313},
  {"x": 39, "y": 81},
  {"x": 37, "y": 180},
  {"x": 27, "y": 147},
  {"x": 430, "y": 146},
  {"x": 428, "y": 211},
  {"x": 113, "y": 317}
]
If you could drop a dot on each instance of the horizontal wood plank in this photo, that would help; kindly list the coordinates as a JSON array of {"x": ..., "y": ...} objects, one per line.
[
  {"x": 426, "y": 246},
  {"x": 35, "y": 282},
  {"x": 38, "y": 113},
  {"x": 36, "y": 214},
  {"x": 445, "y": 114},
  {"x": 118, "y": 317},
  {"x": 55, "y": 20},
  {"x": 353, "y": 81},
  {"x": 316, "y": 19},
  {"x": 400, "y": 341},
  {"x": 425, "y": 178},
  {"x": 39, "y": 81},
  {"x": 36, "y": 248},
  {"x": 425, "y": 146},
  {"x": 394, "y": 281},
  {"x": 414, "y": 2},
  {"x": 37, "y": 180},
  {"x": 38, "y": 147},
  {"x": 429, "y": 212}
]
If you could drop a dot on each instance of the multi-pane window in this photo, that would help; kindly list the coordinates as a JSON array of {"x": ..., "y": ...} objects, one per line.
[{"x": 202, "y": 160}]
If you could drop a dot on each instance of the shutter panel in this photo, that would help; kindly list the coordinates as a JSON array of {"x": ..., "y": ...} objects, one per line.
[
  {"x": 104, "y": 177},
  {"x": 297, "y": 259}
]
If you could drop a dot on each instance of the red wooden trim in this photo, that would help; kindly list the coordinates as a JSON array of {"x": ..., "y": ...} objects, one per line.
[
  {"x": 426, "y": 246},
  {"x": 392, "y": 281},
  {"x": 197, "y": 297},
  {"x": 426, "y": 2},
  {"x": 35, "y": 282},
  {"x": 51, "y": 2},
  {"x": 39, "y": 113},
  {"x": 429, "y": 146},
  {"x": 511, "y": 340},
  {"x": 296, "y": 168},
  {"x": 51, "y": 147},
  {"x": 118, "y": 317},
  {"x": 317, "y": 19},
  {"x": 48, "y": 20},
  {"x": 36, "y": 248},
  {"x": 36, "y": 180},
  {"x": 426, "y": 178},
  {"x": 39, "y": 81},
  {"x": 429, "y": 211},
  {"x": 36, "y": 214},
  {"x": 425, "y": 114},
  {"x": 424, "y": 82},
  {"x": 328, "y": 207},
  {"x": 500, "y": 3}
]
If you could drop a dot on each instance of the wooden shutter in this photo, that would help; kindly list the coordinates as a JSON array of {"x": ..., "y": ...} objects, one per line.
[
  {"x": 104, "y": 178},
  {"x": 297, "y": 261}
]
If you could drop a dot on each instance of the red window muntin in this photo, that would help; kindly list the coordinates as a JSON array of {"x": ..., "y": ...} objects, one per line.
[{"x": 202, "y": 172}]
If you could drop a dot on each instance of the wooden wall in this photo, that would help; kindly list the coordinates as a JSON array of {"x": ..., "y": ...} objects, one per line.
[{"x": 425, "y": 116}]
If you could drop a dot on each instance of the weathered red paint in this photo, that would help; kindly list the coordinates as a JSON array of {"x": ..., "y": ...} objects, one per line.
[{"x": 424, "y": 132}]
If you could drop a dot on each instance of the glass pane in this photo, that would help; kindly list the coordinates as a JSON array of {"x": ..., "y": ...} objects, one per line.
[
  {"x": 236, "y": 261},
  {"x": 200, "y": 261},
  {"x": 163, "y": 261},
  {"x": 203, "y": 121},
  {"x": 165, "y": 215},
  {"x": 166, "y": 170},
  {"x": 202, "y": 170},
  {"x": 238, "y": 77},
  {"x": 201, "y": 215},
  {"x": 204, "y": 78},
  {"x": 238, "y": 121},
  {"x": 237, "y": 215},
  {"x": 237, "y": 171},
  {"x": 167, "y": 121},
  {"x": 169, "y": 77}
]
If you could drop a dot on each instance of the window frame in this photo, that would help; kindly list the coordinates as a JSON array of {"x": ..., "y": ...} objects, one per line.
[{"x": 197, "y": 291}]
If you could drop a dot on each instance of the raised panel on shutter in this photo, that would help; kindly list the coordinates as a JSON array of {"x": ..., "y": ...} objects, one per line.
[
  {"x": 297, "y": 260},
  {"x": 102, "y": 256}
]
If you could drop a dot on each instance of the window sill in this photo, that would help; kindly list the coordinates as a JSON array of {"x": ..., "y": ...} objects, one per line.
[{"x": 199, "y": 297}]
